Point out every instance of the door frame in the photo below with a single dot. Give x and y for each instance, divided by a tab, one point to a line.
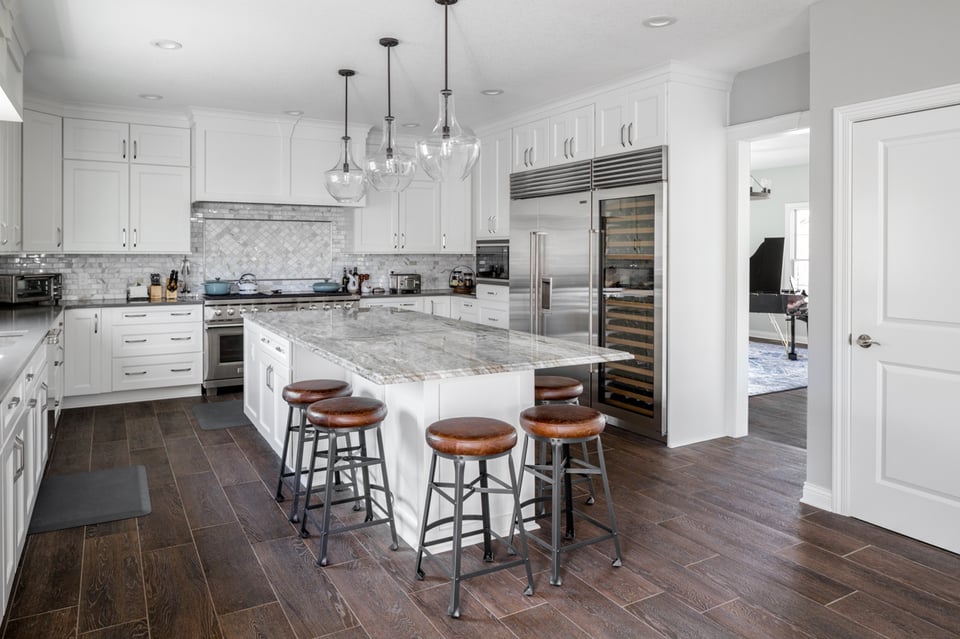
739	137
844	118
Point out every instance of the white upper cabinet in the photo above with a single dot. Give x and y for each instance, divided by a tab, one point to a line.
571	136
491	187
253	159
126	187
12	56
426	217
631	119
121	142
42	182
530	145
11	231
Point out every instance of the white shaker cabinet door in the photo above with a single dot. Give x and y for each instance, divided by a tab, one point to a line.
42	182
420	218
83	332
456	220
375	225
96	206
96	140
164	145
159	209
491	187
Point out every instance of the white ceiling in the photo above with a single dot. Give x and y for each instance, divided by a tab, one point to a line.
271	56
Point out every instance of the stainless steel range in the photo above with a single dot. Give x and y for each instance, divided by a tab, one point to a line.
223	327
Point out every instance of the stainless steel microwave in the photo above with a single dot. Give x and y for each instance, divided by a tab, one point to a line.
493	262
30	288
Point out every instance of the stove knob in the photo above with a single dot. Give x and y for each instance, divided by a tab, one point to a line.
348	304
313	307
269	310
217	312
326	307
229	311
255	309
242	310
338	305
301	308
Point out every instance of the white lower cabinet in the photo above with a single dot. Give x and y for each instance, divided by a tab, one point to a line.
251	371
273	373
132	348
463	309
438	306
493	305
13	501
407	304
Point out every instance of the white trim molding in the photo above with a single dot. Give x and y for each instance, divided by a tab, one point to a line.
844	118
817	496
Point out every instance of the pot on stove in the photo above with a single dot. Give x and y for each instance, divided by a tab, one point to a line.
216	287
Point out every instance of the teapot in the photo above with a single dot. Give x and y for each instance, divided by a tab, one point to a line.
247	283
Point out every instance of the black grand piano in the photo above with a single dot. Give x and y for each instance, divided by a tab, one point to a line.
766	296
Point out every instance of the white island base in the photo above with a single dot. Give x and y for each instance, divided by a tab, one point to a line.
412	406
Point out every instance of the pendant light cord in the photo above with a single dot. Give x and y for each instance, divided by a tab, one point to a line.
389	110
446	68
346	117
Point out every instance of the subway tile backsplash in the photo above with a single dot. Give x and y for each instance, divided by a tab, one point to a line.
284	246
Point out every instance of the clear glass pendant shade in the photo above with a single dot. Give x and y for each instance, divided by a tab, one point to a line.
451	150
346	181
390	168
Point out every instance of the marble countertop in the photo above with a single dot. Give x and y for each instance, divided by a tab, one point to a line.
122	301
388	346
15	352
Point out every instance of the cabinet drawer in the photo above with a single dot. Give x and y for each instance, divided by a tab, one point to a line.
135	315
498	316
274	346
492	292
155	371
157	339
464	310
11	408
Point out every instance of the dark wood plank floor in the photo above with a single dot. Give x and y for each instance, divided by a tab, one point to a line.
715	544
780	417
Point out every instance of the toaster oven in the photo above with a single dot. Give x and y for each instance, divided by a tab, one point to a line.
30	288
404	283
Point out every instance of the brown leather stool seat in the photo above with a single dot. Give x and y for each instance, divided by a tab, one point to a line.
299	395
555	388
343	416
462	440
559	426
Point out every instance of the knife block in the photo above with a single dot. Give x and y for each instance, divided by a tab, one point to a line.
156	293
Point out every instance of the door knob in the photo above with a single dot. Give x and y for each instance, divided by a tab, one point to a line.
865	341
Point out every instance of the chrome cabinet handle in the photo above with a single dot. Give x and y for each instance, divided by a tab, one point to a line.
136	373
180	370
622	129
573	148
403	240
59	237
865	341
124	238
135	238
180	339
134	341
123	153
187	314
269	378
134	314
14	402
630	133
134	149
443	241
18	445
96	323
395	245
591	274
33	403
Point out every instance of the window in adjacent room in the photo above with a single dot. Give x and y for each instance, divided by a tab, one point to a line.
798	245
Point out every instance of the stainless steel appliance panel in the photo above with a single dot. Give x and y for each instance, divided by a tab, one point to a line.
549	271
223	356
493	261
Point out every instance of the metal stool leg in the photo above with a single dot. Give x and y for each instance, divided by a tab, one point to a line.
485	511
298	471
523	535
431	478
327	498
593	495
618	561
387	495
283	456
306	498
454	609
567	490
557	476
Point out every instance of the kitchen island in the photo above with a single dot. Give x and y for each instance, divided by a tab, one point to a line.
423	368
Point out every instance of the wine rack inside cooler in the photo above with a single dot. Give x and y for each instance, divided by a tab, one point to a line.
628	305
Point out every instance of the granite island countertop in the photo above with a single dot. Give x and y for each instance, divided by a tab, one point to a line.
388	346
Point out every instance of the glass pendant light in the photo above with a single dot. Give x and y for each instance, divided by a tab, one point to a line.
451	150
390	168
345	181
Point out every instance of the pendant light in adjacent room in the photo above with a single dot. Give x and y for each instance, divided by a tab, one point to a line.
451	150
346	181
389	168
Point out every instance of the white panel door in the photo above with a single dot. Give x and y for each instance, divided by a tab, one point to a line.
905	441
165	145
96	206
42	182
420	217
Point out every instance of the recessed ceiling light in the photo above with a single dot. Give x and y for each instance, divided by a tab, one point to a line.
410	125
492	91
294	112
151	96
656	22
167	44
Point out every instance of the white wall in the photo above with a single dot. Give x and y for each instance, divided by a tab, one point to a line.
859	50
772	89
790	185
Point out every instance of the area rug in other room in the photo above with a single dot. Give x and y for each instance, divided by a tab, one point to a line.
771	371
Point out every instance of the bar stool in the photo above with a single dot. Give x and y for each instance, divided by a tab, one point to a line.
299	395
462	440
561	425
556	389
344	416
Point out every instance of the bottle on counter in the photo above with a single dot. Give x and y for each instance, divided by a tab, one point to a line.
345	280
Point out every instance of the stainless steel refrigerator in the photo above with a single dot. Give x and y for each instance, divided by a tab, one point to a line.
588	267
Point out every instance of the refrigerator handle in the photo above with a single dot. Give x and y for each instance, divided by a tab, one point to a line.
592	235
534	282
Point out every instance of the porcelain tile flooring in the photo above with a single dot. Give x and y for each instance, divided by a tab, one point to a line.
715	542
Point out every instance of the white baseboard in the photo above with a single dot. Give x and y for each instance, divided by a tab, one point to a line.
126	397
817	496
